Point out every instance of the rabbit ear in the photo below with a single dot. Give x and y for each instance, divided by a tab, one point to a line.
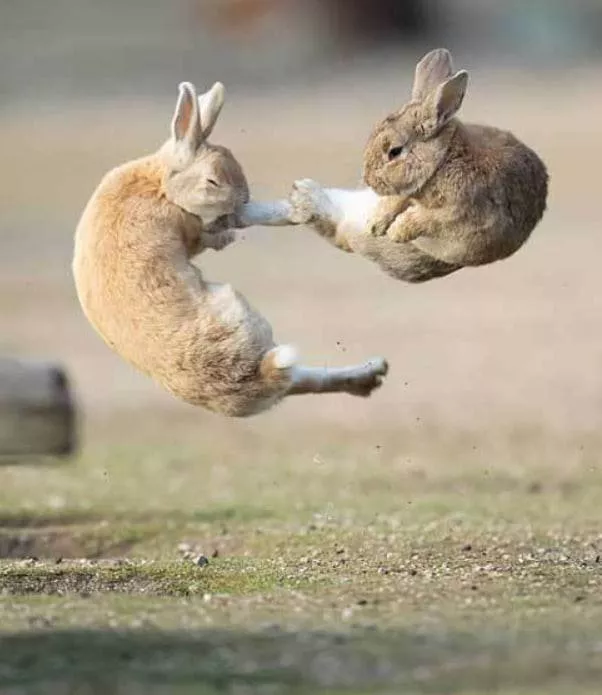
434	68
185	126
210	106
446	100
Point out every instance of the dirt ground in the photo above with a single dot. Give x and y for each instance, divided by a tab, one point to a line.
440	537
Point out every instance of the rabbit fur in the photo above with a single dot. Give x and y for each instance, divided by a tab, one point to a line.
137	286
441	195
466	194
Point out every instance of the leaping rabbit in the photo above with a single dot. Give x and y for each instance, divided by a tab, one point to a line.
440	195
134	243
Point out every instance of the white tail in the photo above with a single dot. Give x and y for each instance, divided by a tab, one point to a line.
285	357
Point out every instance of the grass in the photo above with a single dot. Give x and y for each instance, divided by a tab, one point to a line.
404	562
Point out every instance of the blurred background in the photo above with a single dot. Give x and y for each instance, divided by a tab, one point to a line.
85	85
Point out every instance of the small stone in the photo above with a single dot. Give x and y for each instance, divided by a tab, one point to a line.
467	548
362	602
201	561
215	553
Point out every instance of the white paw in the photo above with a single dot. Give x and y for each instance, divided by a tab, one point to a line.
307	200
370	377
378	365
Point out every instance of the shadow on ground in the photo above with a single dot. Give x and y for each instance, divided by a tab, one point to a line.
431	660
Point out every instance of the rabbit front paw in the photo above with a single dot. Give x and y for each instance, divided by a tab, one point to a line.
308	201
381	226
407	226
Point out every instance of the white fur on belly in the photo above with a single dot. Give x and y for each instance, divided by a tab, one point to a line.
354	207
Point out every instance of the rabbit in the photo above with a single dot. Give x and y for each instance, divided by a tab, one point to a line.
138	288
464	194
452	196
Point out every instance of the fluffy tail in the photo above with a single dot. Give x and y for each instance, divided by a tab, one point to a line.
277	364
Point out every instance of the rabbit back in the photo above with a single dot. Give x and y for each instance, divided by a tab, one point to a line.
486	198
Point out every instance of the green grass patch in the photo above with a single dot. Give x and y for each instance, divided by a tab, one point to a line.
446	564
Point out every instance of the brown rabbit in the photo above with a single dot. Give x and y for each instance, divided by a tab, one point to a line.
442	195
138	288
464	194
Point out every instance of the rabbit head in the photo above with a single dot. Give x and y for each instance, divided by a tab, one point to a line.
405	149
203	179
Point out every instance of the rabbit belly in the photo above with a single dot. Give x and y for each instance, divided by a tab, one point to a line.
462	251
231	309
402	261
356	208
474	246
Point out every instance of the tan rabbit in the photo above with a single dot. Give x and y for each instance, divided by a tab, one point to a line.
464	194
137	286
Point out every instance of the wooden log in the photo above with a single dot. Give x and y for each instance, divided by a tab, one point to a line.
37	413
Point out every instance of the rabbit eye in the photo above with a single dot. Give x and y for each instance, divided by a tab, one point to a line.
394	152
212	182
